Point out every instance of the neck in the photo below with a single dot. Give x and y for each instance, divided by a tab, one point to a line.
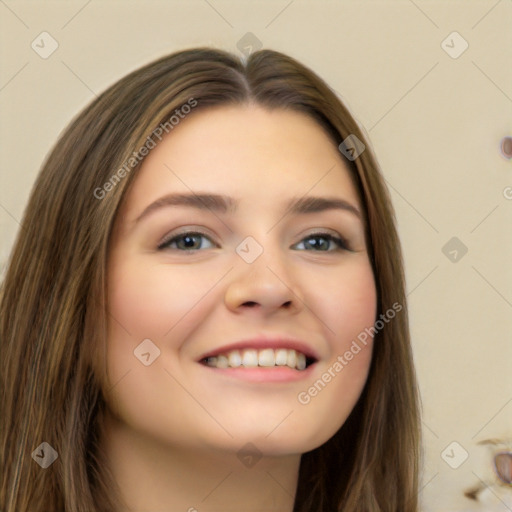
152	475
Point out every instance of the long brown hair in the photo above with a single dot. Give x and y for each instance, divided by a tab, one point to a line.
53	313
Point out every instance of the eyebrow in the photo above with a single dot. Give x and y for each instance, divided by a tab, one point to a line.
228	205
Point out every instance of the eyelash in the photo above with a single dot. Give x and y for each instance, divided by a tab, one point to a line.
341	242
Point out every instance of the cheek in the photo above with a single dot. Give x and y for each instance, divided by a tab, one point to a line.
346	304
149	301
348	310
163	305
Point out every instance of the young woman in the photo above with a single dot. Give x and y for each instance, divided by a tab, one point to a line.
205	307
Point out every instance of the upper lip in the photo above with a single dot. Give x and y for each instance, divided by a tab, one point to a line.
260	343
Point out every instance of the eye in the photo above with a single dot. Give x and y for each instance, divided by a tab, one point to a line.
322	242
190	241
187	241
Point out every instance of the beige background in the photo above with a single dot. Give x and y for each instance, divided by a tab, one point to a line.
435	123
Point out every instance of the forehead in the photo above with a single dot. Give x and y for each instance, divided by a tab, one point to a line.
245	151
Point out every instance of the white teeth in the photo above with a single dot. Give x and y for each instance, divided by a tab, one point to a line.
252	358
291	359
235	359
222	362
266	357
281	357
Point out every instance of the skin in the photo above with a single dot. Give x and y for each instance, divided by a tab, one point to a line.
174	428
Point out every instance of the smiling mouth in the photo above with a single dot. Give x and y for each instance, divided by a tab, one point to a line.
264	358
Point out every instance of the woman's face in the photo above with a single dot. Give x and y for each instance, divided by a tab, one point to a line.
244	278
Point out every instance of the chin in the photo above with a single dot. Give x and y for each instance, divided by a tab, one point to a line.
281	441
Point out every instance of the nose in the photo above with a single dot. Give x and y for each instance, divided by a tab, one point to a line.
265	285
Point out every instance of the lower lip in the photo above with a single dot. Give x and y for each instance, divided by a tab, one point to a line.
261	374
